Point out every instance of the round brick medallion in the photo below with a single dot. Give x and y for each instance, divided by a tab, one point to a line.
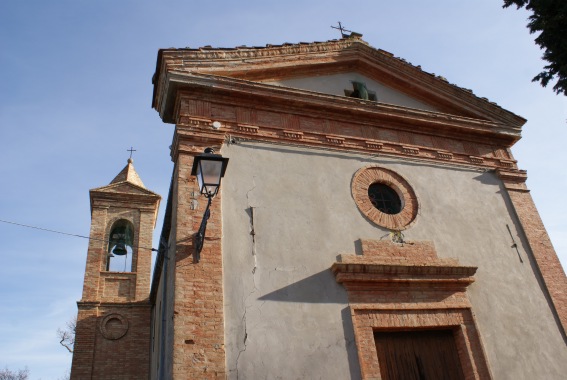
113	326
365	177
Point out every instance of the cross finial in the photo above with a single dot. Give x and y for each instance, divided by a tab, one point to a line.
131	150
343	30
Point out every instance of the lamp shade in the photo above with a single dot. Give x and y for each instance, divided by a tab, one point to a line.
209	169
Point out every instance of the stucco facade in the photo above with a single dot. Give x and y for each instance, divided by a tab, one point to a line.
300	271
283	304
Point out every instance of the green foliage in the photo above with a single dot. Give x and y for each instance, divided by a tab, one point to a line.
550	18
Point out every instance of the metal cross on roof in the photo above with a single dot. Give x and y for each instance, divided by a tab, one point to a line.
343	30
131	150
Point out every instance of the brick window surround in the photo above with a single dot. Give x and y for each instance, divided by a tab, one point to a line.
114	326
369	175
405	287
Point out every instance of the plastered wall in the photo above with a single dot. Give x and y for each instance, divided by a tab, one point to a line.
336	84
288	212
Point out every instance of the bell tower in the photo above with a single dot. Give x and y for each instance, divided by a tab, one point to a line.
113	324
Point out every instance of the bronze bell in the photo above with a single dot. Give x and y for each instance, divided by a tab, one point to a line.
120	248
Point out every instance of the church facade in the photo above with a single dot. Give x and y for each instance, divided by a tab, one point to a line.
372	224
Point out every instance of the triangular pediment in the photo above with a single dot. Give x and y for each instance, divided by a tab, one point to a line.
327	68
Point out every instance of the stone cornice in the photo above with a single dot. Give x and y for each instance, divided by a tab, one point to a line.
514	180
400	273
210	54
411	263
194	133
104	199
187	142
391	265
269	97
128	304
151	199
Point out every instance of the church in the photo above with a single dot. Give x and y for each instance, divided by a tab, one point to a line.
371	223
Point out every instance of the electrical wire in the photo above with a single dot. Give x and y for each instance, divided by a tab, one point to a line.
65	233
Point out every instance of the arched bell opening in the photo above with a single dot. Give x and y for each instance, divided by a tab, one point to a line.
120	247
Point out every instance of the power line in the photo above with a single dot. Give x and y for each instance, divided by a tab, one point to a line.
65	233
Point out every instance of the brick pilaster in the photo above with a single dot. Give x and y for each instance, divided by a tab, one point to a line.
198	341
545	257
144	256
95	252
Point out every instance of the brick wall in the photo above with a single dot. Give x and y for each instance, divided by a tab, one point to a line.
198	341
99	354
543	252
112	336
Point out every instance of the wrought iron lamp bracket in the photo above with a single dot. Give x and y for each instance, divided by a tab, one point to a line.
200	235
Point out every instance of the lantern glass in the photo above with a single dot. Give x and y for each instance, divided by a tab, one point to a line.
209	175
209	169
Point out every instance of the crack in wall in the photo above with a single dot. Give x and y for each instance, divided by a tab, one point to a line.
245	339
252	230
244	323
253	234
253	271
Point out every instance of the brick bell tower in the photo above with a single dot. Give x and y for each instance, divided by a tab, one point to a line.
113	324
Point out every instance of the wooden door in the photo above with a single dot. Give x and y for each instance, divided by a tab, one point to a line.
418	355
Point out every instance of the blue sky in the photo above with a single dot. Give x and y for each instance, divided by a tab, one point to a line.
75	93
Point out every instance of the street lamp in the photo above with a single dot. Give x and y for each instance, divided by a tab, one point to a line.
209	169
